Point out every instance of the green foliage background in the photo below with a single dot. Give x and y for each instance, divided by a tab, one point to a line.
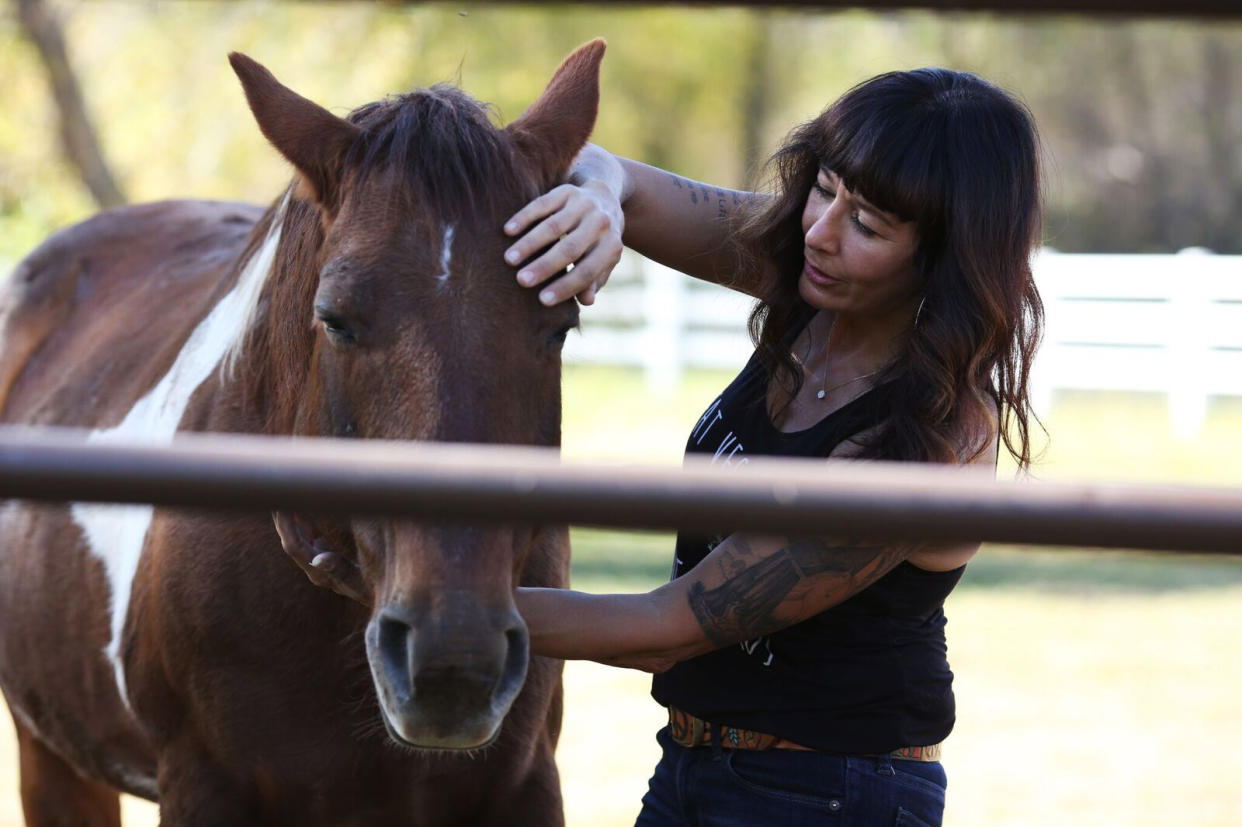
1140	119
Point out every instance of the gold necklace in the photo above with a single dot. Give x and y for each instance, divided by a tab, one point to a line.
824	391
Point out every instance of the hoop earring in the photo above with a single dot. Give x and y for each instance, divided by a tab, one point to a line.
919	312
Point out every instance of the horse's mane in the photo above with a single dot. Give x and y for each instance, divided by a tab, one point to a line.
453	163
444	144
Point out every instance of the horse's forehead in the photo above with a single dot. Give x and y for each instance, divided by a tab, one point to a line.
430	269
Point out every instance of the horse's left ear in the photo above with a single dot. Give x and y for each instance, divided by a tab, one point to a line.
312	138
554	129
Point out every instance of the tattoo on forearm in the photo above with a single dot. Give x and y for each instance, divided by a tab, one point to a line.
701	192
744	605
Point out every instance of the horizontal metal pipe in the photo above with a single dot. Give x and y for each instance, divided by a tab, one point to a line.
1101	8
489	484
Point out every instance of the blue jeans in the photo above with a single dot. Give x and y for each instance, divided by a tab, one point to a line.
711	787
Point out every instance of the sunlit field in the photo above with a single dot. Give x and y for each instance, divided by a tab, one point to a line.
1093	687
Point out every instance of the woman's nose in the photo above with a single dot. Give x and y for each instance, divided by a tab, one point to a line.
825	233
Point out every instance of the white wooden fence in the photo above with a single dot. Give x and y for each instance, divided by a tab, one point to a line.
1169	324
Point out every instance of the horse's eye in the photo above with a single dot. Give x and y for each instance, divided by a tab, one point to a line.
337	329
557	340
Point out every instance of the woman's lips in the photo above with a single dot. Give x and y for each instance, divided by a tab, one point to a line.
818	277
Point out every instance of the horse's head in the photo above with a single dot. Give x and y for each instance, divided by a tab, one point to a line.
391	278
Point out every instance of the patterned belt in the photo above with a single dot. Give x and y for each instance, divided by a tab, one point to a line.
689	731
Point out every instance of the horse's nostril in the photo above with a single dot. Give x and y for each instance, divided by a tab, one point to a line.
396	639
517	655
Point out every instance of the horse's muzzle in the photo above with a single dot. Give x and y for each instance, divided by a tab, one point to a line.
446	679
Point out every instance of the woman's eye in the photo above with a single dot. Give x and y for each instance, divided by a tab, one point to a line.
824	190
862	228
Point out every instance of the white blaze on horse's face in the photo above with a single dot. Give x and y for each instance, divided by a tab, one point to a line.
446	254
117	534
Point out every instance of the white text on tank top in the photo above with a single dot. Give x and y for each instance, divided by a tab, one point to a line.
729	453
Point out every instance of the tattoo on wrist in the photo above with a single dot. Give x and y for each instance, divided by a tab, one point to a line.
744	605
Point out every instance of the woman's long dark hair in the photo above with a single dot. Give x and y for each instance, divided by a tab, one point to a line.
959	157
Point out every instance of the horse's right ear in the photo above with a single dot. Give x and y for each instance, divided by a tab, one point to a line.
554	129
313	139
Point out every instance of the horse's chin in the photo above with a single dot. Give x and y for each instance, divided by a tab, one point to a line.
430	742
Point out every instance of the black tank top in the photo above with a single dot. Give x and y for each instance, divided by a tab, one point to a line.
869	675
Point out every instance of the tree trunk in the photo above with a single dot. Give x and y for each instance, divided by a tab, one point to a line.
756	92
77	135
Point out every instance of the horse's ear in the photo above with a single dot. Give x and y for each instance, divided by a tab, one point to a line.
556	127
313	139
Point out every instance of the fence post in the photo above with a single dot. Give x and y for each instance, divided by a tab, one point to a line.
663	357
1188	342
1043	371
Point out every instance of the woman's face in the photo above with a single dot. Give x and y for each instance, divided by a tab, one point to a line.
859	259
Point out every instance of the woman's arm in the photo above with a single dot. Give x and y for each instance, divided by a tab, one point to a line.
683	224
749	586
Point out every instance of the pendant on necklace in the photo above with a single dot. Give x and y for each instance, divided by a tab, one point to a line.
821	394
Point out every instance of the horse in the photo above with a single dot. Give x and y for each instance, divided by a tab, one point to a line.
293	669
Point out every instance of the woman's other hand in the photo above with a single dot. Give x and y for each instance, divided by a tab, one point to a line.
569	239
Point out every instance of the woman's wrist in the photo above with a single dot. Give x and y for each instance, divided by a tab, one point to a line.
597	168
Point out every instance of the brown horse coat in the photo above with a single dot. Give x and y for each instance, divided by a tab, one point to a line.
180	656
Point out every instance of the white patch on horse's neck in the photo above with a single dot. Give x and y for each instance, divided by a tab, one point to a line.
117	534
250	283
446	253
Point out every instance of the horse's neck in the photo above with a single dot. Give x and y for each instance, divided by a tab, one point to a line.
262	375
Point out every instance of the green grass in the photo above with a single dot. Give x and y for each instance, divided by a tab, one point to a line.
609	415
621	561
1094	687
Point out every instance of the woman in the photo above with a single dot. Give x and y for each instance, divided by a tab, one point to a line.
806	676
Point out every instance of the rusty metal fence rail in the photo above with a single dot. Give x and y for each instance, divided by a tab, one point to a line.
474	483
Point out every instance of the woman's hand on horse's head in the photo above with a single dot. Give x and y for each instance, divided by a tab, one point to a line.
578	229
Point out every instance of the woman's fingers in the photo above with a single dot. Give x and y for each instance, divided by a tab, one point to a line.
540	224
580	259
575	239
569	245
589	273
543	206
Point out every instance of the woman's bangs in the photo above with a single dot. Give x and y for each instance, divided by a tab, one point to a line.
889	167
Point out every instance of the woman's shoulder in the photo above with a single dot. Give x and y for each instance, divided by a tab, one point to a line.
974	435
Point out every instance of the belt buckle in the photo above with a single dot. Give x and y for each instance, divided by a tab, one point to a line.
686	729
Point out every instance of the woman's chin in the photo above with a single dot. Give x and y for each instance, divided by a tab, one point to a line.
817	295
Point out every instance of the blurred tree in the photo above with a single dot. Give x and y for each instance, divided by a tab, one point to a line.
1141	120
78	140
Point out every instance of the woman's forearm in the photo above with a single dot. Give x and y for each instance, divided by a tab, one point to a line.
683	224
623	629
